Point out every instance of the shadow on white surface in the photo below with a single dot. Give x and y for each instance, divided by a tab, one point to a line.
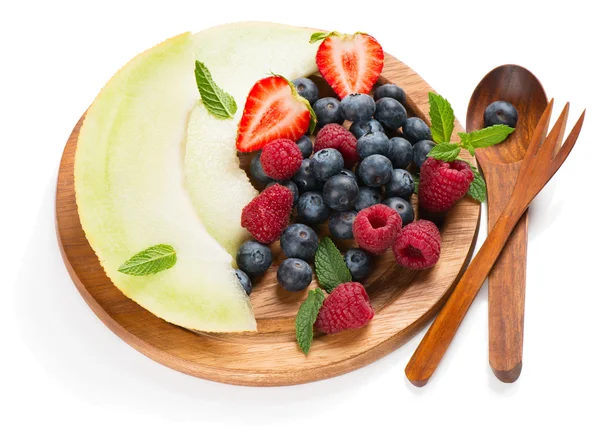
80	354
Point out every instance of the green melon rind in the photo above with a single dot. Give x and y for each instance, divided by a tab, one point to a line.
130	193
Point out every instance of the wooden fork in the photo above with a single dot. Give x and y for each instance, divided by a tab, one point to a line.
538	167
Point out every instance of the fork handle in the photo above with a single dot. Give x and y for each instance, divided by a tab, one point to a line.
437	339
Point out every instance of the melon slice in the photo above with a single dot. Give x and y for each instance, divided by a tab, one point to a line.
237	56
130	193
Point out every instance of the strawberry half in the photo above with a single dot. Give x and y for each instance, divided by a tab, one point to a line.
273	110
349	63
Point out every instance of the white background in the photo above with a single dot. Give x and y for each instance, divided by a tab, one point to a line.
64	375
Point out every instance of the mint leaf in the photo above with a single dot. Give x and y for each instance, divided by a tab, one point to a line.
318	36
485	137
478	189
218	102
306	318
330	266
150	261
417	181
445	151
442	118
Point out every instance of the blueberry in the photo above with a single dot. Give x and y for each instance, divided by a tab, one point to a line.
357	107
328	111
244	281
420	151
312	208
400	153
348	173
307	89
254	258
391	91
340	224
390	113
306	146
367	196
257	172
305	180
415	130
361	128
359	262
291	185
400	185
294	274
376	143
300	241
326	163
404	209
500	112
375	171
340	192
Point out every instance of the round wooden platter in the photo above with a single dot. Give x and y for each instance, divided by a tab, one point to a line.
403	300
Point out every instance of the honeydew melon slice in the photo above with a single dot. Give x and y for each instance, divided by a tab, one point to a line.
237	56
130	193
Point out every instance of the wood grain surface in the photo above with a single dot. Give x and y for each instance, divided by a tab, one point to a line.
403	300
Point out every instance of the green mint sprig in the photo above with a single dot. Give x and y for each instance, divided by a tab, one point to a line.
306	318
218	102
150	261
330	266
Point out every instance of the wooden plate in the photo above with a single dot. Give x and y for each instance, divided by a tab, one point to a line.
403	300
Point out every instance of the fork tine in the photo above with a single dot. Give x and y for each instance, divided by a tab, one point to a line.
566	148
555	137
539	134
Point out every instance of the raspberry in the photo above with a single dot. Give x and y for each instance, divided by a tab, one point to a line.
266	216
334	136
376	227
281	159
443	184
347	307
418	245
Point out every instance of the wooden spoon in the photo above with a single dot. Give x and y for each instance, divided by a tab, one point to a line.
500	165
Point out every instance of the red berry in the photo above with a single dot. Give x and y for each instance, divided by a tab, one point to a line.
418	245
443	184
334	136
267	215
376	228
347	307
281	159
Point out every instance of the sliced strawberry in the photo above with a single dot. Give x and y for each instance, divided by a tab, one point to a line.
273	110
350	63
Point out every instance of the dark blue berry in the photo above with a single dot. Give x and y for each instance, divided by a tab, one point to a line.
404	209
500	112
244	281
420	151
415	130
357	107
390	113
340	192
305	180
254	258
361	128
292	186
340	224
328	111
390	91
299	241
375	171
294	274
312	208
348	173
326	163
400	185
359	262
257	172
367	196
307	89
400	153
306	146
376	143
